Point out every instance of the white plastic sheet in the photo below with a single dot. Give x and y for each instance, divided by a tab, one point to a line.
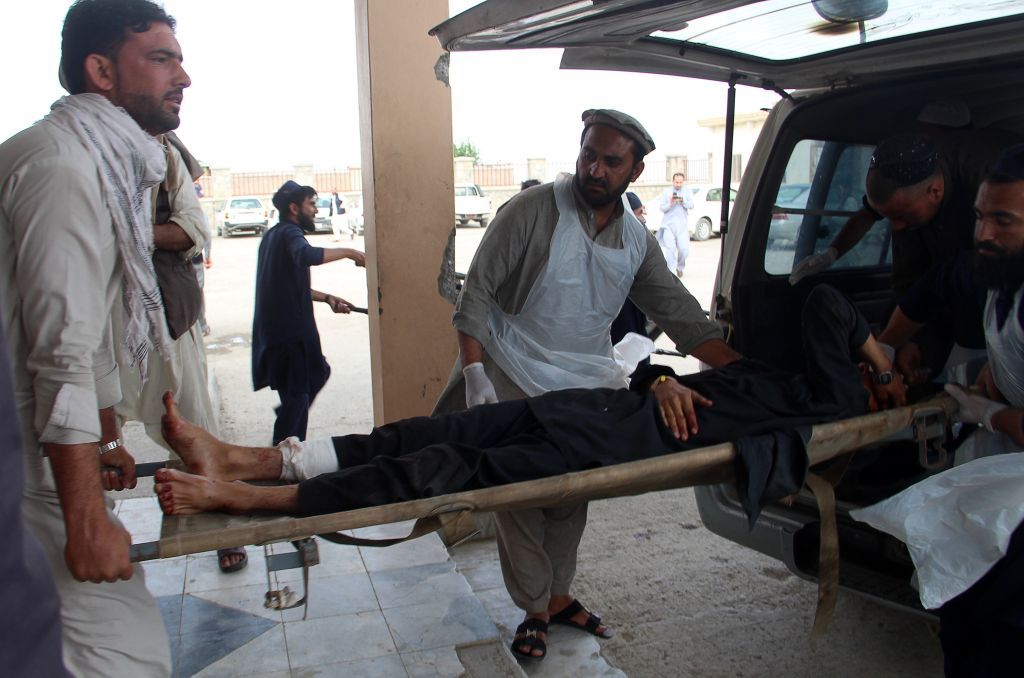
956	524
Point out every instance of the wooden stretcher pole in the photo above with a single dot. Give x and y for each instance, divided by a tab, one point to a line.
706	465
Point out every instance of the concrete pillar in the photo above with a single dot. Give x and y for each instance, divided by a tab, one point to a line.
405	121
537	168
464	170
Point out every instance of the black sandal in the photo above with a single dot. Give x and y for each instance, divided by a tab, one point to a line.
565	618
528	636
223	554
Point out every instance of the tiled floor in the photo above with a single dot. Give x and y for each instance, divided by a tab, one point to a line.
400	611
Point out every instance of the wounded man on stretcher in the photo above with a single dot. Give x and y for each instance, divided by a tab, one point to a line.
766	411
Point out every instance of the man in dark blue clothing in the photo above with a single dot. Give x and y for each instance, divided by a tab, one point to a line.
286	353
30	641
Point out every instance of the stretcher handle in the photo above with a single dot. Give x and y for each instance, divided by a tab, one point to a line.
141	470
358	309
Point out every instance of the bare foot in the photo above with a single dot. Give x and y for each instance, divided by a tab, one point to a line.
185	494
201	451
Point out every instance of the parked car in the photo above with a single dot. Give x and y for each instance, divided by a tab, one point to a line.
471	205
324	212
354	218
705	218
845	83
243	214
787	214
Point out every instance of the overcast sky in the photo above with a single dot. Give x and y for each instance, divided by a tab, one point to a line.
511	105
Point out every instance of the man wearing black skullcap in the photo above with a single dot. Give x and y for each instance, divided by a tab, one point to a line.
925	187
550	275
963	526
286	354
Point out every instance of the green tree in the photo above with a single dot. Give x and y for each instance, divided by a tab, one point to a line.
466	150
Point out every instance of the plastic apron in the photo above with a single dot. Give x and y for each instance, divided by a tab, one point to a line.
560	338
1006	358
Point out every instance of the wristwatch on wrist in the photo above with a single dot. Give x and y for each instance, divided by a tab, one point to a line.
883	378
111	446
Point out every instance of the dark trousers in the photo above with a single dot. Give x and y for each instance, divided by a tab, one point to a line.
292	414
430	456
832	329
982	629
505	442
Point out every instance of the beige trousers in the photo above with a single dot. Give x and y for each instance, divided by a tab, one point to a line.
536	547
184	373
109	629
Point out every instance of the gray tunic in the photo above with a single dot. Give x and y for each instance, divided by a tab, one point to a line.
512	255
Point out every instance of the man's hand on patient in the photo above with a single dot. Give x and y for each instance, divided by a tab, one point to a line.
908	363
814	264
479	389
987	384
975	408
678	406
893	394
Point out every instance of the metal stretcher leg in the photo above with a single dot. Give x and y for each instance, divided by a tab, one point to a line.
306	555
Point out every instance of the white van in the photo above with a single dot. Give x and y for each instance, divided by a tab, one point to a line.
848	73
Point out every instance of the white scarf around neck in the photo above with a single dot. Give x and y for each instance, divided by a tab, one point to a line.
130	162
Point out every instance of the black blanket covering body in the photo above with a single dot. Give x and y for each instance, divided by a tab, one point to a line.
765	411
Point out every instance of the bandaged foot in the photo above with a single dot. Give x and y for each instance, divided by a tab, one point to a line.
304	459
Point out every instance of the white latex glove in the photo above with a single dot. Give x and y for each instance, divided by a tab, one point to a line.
974	409
479	389
816	263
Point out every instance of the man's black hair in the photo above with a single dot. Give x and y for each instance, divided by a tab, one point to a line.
100	27
299	195
1009	167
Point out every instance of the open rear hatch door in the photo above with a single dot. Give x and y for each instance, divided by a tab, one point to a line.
775	44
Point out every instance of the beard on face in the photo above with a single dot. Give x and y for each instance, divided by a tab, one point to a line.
306	222
149	112
1000	270
610	195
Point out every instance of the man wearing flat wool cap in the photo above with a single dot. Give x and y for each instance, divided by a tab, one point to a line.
554	268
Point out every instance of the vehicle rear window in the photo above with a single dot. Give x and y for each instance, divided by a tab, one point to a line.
466	190
822	187
715	195
246	204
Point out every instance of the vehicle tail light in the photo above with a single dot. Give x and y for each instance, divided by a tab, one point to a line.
227	215
780	216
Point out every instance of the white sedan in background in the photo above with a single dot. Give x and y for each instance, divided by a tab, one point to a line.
706	215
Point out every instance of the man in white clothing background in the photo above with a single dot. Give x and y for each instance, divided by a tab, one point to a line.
674	235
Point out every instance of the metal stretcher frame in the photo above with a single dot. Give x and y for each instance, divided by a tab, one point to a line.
181	535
